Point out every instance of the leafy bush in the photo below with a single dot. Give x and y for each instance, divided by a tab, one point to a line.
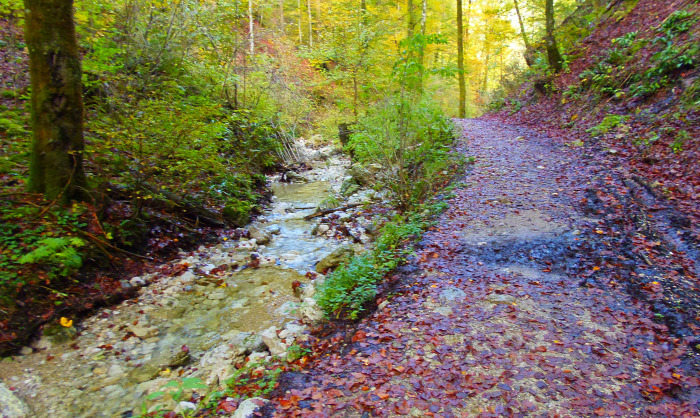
411	140
609	122
346	290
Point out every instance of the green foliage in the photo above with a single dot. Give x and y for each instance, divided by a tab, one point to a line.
251	382
59	253
609	122
678	22
411	140
347	289
43	238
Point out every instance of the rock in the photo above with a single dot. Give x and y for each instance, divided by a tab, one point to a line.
349	187
311	311
237	212
10	405
186	406
115	370
273	342
287	308
293	330
247	343
58	334
294	177
257	357
137	281
274	229
145	373
248	407
143	332
375	168
25	351
496	298
451	295
339	256
260	235
360	175
322	229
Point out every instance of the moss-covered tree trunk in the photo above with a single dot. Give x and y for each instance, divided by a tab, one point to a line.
56	167
553	55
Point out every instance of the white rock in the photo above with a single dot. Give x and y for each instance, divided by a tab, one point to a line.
137	281
322	229
311	311
186	406
273	342
248	407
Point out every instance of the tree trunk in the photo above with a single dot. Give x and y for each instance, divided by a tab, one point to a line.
311	27
251	34
301	13
56	166
281	6
409	18
528	60
553	56
460	63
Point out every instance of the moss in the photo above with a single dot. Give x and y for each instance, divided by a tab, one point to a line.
237	212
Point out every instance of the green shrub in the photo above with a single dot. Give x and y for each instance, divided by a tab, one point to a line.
347	289
60	253
411	140
609	122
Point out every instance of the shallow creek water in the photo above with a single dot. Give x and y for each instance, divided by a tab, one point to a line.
117	359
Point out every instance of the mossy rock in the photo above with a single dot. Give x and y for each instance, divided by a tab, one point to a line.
349	187
237	212
58	334
341	255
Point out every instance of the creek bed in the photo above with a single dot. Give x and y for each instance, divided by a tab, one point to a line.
181	325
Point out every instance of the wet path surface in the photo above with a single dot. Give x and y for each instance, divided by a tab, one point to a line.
502	315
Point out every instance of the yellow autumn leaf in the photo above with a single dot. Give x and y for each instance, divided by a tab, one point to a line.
66	322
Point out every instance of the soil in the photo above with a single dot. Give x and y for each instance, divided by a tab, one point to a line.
545	289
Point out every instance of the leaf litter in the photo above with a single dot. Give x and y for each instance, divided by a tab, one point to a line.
513	306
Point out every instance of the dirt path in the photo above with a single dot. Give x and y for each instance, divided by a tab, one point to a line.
503	314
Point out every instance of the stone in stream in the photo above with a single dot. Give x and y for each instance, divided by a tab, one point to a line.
334	259
260	235
10	405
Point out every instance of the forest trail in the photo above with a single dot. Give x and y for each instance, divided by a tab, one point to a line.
502	311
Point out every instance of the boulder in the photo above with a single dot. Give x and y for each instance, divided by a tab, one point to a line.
248	407
339	256
294	177
311	312
273	342
361	175
349	187
58	334
10	405
237	212
245	343
260	235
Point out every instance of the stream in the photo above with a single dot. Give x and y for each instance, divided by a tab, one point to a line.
215	312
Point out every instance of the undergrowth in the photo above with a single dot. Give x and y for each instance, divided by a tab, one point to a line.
347	290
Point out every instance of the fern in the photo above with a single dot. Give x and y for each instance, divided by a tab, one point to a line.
59	253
